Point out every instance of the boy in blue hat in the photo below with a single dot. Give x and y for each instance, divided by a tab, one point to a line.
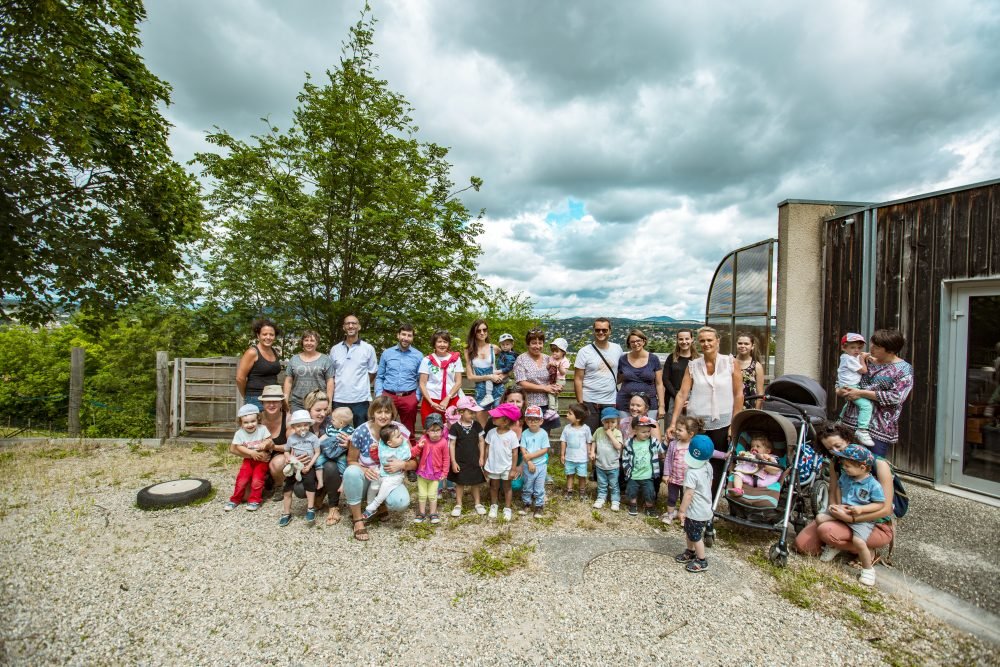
695	513
606	453
860	492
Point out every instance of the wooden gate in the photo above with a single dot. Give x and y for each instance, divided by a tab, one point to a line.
204	398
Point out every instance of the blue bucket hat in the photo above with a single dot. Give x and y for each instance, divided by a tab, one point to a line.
433	419
699	451
857	453
609	413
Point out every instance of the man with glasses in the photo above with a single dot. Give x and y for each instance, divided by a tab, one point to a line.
595	377
354	366
397	378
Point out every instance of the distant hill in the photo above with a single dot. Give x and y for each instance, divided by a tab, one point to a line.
659	318
578	330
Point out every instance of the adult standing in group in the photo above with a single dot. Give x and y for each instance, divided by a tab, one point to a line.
751	370
481	367
275	417
640	372
440	376
531	373
362	470
676	365
354	366
259	365
596	373
712	389
886	384
397	377
308	371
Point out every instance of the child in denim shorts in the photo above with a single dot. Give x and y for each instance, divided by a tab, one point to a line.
574	449
696	507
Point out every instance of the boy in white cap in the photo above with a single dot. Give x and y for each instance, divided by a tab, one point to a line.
558	367
853	364
695	513
301	441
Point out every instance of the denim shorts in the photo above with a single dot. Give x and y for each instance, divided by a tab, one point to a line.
578	469
694	530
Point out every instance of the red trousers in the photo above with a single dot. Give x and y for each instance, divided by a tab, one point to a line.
406	406
252	473
426	409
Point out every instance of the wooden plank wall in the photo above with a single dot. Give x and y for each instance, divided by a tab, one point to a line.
842	294
920	243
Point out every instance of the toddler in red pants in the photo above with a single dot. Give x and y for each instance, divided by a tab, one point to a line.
253	442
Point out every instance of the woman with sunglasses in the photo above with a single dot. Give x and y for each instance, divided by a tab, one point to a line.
640	372
481	367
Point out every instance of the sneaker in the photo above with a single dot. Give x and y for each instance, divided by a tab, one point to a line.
493	511
539	513
633	510
284	520
864	439
420	518
651	511
867	577
522	512
669	517
435	518
507	514
411	475
230	506
480	510
253	507
584	496
599	503
615	506
549	480
277	496
567	495
311	514
686	557
697	565
456	511
829	553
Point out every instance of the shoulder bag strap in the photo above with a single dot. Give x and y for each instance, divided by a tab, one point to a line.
613	374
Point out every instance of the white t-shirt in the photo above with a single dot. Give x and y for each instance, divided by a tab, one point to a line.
599	383
434	375
848	373
353	367
576	438
699	479
253	440
500	458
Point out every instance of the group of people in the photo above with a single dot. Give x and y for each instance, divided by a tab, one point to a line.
325	428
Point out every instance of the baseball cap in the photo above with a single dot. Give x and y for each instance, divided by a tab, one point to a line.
467	403
609	413
643	420
561	344
857	453
505	336
433	419
508	410
851	338
249	409
699	451
533	411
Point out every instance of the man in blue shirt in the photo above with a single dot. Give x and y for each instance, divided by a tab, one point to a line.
397	378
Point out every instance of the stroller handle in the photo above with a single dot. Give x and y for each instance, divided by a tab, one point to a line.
768	397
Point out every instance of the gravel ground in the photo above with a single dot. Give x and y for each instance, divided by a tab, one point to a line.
89	579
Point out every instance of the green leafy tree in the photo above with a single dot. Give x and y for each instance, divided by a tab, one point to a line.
345	212
93	209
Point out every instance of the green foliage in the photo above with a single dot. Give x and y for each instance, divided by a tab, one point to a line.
345	212
94	210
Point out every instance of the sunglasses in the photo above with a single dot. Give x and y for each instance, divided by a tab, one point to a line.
596	330
482	330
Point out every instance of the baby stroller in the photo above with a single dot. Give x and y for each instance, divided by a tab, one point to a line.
793	405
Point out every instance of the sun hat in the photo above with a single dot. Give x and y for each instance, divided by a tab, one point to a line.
699	451
643	420
561	344
300	417
505	337
609	413
247	410
508	410
533	412
433	419
851	338
857	453
467	403
272	392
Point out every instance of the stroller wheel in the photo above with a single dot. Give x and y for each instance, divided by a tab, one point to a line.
778	555
818	497
709	536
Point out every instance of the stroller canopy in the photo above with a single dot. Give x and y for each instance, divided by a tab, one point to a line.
777	427
799	389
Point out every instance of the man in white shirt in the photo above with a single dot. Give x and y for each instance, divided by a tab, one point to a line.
595	377
354	367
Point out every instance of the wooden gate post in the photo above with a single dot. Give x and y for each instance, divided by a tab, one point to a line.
75	391
162	395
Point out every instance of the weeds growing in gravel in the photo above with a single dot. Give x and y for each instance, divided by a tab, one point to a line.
503	537
485	564
596	516
422	531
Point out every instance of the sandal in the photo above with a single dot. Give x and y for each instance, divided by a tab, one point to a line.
360	534
333	517
697	565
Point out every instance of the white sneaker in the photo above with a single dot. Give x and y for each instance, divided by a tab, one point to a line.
522	512
829	553
615	506
867	577
599	503
507	514
456	511
493	511
480	510
864	439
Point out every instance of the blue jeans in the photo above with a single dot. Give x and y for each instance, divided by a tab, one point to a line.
607	480
356	488
881	448
534	485
633	488
359	410
253	397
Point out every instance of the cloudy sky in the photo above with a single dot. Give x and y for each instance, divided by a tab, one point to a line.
626	147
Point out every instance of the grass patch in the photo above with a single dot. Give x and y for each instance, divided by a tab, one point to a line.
596	516
455	522
503	537
57	453
869	599
853	618
654	522
795	584
422	531
586	525
146	475
138	449
484	564
198	448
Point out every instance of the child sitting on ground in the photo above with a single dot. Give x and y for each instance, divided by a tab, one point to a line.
606	453
435	459
860	493
574	449
675	462
641	465
696	506
253	442
500	465
392	446
853	364
558	367
301	441
750	470
535	452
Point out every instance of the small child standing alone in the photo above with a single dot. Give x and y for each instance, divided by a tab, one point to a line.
675	462
574	449
392	446
252	441
535	452
501	469
606	453
435	459
853	364
696	506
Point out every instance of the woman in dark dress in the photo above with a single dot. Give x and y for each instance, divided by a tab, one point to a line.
259	366
675	366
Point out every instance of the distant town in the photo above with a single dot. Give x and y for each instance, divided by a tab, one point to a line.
660	330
